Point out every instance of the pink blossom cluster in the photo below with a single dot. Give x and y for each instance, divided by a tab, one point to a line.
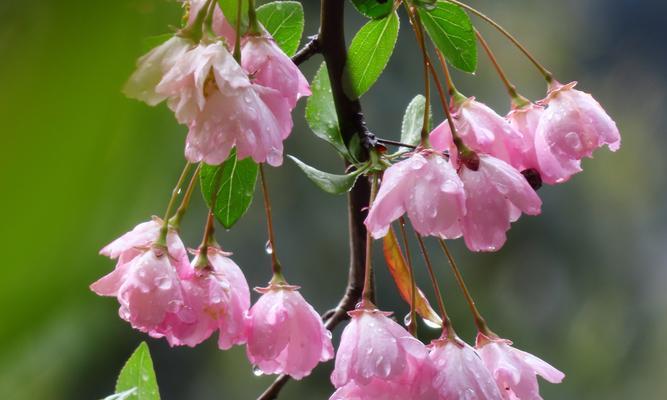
474	182
379	359
224	104
161	292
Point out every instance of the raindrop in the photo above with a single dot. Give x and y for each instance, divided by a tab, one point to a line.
268	248
257	371
407	320
430	323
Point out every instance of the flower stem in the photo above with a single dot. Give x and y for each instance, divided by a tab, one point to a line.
175	221
414	21
480	322
545	73
275	264
237	41
162	239
451	88
252	19
517	99
412	327
447	329
367	292
208	238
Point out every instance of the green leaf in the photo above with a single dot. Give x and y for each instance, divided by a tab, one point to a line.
236	181
452	32
230	9
137	378
369	53
330	183
413	121
284	20
321	112
374	8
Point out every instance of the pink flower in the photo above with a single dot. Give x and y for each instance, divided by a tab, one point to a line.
374	347
377	389
270	67
152	67
460	373
132	244
209	91
147	288
572	127
216	297
515	371
285	334
525	120
496	195
482	130
425	186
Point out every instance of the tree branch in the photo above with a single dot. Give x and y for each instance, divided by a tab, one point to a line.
330	42
310	49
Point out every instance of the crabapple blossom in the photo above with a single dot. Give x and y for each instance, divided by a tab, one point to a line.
285	334
209	91
515	371
427	188
220	25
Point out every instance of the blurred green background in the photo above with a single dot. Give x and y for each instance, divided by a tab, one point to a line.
582	286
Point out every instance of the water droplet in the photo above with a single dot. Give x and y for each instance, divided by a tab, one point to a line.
163	282
430	324
407	320
257	371
268	248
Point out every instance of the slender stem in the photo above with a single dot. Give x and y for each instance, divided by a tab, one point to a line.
237	40
275	264
509	86
447	329
252	19
366	293
547	75
175	221
209	230
448	76
395	143
412	327
414	20
480	322
162	239
310	49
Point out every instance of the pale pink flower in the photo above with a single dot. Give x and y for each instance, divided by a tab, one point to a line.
525	120
285	334
132	244
496	195
270	67
377	389
152	67
427	188
375	347
147	288
209	91
572	127
460	372
216	297
221	26
515	371
482	130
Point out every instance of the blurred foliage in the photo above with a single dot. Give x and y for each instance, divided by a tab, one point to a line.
582	285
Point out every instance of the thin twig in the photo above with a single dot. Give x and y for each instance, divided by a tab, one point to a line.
310	49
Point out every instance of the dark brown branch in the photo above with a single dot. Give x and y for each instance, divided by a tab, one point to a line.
331	44
310	49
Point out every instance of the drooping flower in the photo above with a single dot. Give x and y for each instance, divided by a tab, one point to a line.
515	371
496	195
285	333
375	390
374	347
482	130
460	372
427	188
209	91
220	25
572	127
271	67
216	297
525	120
152	67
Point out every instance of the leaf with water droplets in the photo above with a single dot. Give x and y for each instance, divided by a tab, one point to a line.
321	112
284	20
413	121
452	32
401	273
235	181
369	53
330	183
137	378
